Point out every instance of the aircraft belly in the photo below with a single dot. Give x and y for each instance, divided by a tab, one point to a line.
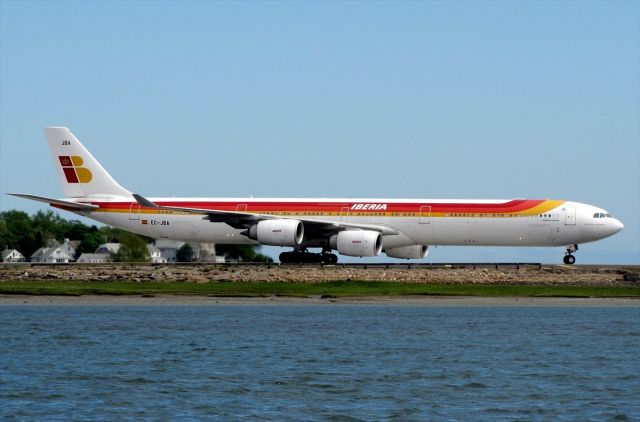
541	234
439	231
507	232
482	231
222	233
187	228
453	231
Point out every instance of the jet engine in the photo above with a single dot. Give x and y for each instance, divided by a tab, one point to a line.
408	252
278	232
357	243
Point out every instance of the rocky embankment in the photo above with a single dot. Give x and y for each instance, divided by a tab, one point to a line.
549	275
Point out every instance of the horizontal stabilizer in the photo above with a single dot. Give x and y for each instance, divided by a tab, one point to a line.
59	202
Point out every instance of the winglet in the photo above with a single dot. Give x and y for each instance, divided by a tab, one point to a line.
144	201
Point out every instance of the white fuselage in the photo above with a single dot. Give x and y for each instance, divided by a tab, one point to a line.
561	223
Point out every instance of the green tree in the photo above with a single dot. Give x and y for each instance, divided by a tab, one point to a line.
18	232
4	235
133	248
185	253
109	234
48	226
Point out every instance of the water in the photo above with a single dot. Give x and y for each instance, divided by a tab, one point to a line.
319	363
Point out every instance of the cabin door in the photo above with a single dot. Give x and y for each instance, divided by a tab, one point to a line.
570	216
425	214
134	211
344	214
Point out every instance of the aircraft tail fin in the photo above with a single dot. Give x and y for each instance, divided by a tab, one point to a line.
80	173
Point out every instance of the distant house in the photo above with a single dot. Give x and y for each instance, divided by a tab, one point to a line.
94	258
162	252
70	246
12	255
110	248
51	255
168	249
202	252
156	255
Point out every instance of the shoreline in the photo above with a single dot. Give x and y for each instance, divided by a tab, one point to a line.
198	300
244	273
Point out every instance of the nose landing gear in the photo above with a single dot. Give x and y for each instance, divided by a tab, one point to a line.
569	259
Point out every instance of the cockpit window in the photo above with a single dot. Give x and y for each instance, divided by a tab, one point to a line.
607	215
601	215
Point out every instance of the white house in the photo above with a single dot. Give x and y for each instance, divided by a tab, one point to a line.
51	255
168	248
94	258
162	252
70	246
156	256
12	255
109	248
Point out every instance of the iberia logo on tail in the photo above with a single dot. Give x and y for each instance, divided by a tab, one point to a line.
73	170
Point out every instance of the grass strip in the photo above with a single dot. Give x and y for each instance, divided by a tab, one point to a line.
328	289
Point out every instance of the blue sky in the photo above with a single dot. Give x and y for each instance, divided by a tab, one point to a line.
373	99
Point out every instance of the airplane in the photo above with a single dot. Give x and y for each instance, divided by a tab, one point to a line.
362	227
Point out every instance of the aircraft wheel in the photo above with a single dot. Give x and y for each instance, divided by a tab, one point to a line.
285	257
327	258
569	259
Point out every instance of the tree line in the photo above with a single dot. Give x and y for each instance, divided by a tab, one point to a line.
27	233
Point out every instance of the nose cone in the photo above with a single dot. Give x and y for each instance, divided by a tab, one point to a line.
612	227
617	225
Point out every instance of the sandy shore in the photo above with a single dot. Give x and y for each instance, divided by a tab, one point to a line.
183	300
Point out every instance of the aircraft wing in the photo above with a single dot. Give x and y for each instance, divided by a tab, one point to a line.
245	219
61	203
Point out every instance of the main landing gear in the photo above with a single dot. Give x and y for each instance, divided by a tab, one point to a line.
569	259
304	257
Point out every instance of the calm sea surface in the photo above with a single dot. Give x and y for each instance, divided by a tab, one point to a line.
319	363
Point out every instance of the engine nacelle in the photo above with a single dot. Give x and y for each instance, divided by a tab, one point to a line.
278	232
357	243
408	252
